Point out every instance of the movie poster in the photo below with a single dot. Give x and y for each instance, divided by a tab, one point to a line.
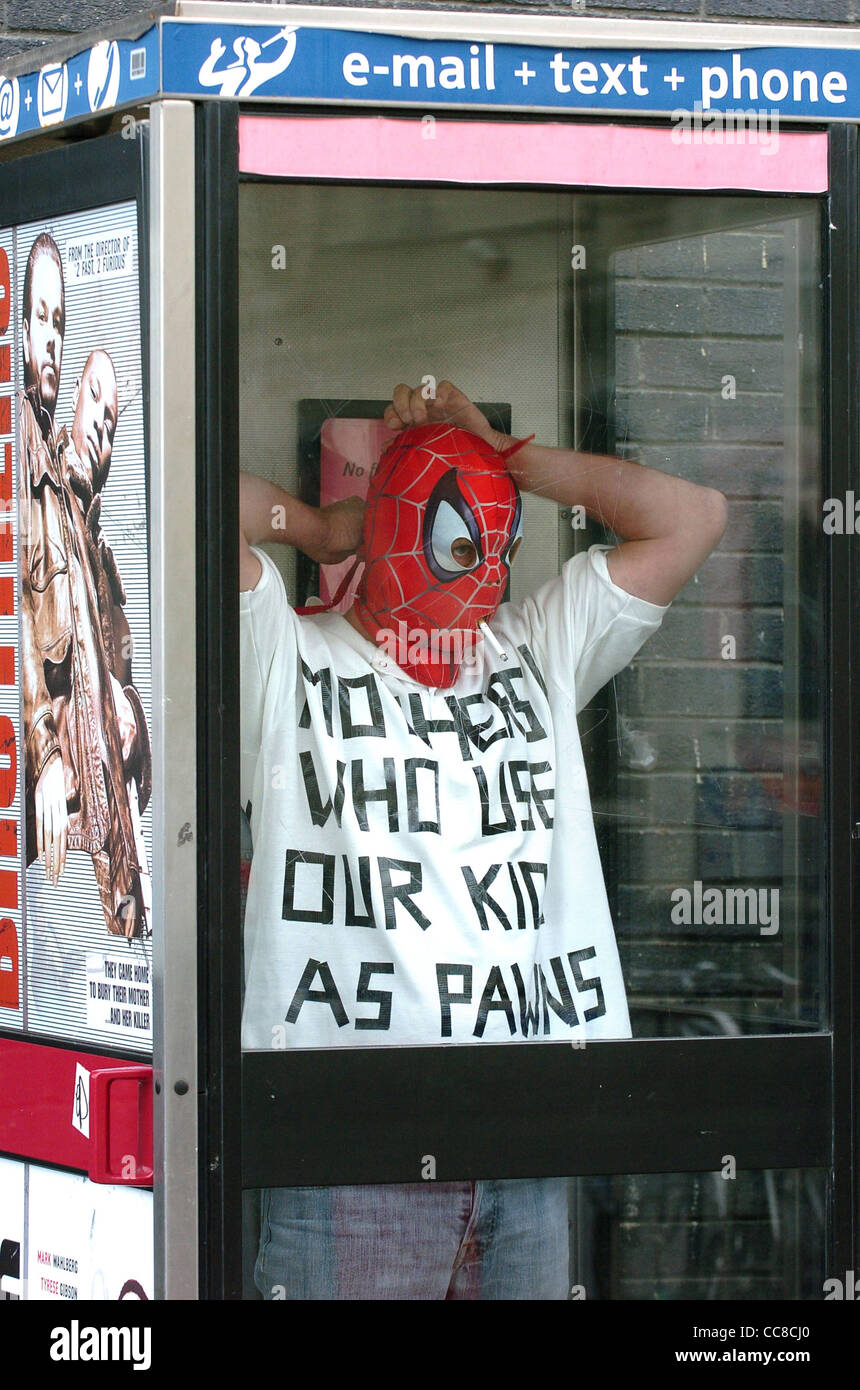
11	1007
85	1241
75	698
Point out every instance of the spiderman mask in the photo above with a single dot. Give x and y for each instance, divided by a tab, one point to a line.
442	524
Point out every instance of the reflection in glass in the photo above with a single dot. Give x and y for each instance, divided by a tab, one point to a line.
711	760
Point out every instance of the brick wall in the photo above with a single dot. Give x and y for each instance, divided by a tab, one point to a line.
26	24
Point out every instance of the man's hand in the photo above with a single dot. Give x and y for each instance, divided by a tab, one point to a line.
447	404
268	513
127	913
340	531
126	721
52	819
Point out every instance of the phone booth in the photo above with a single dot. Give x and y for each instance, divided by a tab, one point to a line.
226	234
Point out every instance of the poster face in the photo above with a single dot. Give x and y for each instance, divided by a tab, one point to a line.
75	676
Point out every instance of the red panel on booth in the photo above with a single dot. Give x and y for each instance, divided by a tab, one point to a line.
76	1109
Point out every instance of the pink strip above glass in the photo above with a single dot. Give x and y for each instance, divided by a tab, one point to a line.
426	149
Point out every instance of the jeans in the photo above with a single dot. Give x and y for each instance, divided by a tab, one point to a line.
431	1240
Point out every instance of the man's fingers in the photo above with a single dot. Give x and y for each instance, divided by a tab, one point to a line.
59	822
40	834
418	407
57	828
128	917
449	400
400	401
50	852
51	826
411	406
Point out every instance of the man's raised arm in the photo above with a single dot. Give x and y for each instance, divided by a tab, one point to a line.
669	525
268	513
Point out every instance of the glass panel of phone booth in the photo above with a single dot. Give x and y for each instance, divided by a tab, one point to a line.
713	363
724	1235
694	351
710	775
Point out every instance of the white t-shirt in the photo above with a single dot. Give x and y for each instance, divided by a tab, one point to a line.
425	865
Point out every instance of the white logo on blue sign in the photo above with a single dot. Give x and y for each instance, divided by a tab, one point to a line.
53	93
249	69
10	107
103	75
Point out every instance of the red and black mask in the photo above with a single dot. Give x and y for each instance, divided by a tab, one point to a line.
442	525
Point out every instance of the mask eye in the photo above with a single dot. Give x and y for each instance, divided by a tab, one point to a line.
453	548
450	535
509	554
